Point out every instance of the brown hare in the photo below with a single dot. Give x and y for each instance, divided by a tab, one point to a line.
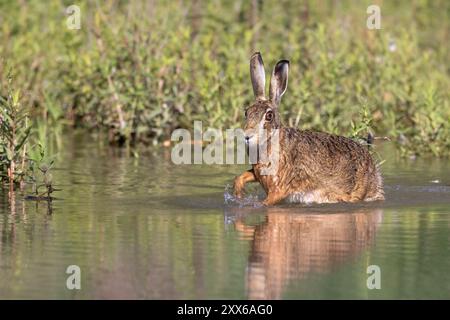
312	166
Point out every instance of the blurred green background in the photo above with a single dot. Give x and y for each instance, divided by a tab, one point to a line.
137	70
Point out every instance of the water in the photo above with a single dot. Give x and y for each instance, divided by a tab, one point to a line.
144	228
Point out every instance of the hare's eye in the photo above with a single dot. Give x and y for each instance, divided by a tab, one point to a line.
245	113
269	116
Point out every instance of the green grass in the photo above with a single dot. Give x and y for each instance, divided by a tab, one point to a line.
139	70
14	136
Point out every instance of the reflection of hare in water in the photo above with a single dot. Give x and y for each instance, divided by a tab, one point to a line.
290	245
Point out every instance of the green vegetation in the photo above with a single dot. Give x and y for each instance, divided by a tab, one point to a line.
40	175
139	70
22	154
14	133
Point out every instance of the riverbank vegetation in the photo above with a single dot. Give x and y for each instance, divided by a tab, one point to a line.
138	70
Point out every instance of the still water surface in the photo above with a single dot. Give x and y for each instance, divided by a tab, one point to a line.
145	228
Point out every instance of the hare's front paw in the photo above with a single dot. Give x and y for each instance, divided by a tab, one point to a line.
238	190
238	195
240	181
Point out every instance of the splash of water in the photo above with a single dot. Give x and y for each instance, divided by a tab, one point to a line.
249	200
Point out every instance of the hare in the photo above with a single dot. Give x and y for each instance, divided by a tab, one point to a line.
312	166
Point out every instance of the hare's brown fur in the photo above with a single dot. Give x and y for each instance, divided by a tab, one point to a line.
313	166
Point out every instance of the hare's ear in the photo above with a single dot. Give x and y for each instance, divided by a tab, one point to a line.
258	75
279	81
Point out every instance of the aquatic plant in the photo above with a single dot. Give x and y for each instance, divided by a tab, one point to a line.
40	175
22	149
14	133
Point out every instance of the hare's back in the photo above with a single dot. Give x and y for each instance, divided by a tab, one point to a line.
336	168
326	151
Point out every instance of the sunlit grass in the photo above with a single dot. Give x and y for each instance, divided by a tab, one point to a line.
138	71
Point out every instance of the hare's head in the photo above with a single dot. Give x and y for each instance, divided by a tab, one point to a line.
263	113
